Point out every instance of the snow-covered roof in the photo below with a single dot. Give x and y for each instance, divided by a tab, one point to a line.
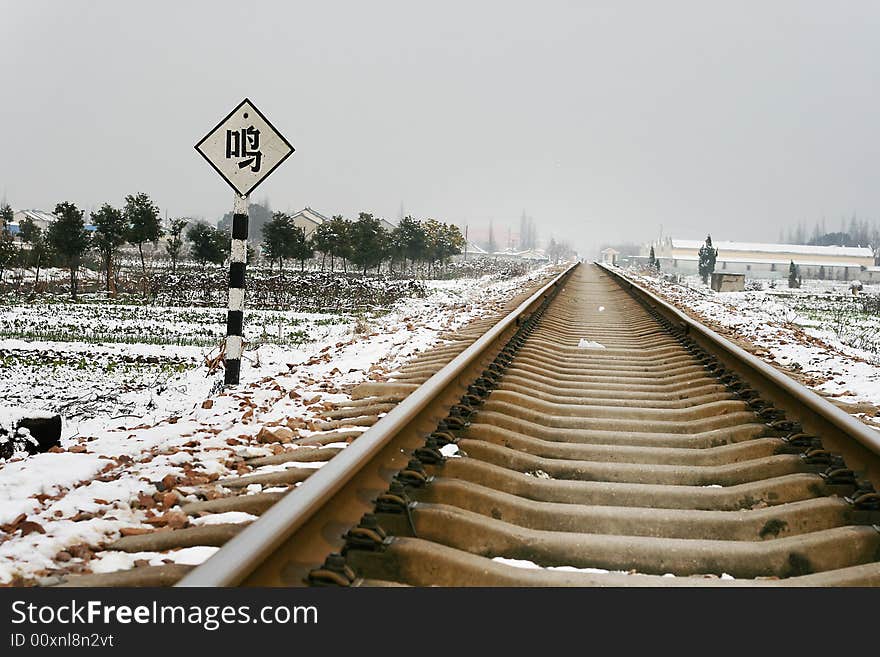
795	249
529	254
784	260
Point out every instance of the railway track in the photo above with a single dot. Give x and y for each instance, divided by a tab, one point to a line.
595	436
209	510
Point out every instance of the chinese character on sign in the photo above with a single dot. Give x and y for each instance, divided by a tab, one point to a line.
245	143
244	148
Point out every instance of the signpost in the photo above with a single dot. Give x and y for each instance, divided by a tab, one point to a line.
244	148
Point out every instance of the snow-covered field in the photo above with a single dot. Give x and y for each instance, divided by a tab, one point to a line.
819	334
146	423
104	360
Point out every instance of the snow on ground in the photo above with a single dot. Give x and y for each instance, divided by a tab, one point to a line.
818	334
102	360
145	434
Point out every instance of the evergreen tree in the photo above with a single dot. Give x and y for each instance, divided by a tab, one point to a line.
409	240
527	233
278	238
39	252
110	231
209	245
324	239
7	247
433	235
491	245
283	239
523	231
553	250
142	216
174	247
794	275
69	239
708	255
652	260
341	243
367	242
301	248
442	241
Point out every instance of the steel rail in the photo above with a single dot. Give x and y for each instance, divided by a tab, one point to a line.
768	379
245	552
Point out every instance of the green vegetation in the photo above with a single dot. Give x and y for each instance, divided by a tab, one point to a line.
149	325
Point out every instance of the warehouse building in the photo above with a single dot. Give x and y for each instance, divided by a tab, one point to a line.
758	260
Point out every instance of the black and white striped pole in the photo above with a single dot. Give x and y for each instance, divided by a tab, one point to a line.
244	148
235	311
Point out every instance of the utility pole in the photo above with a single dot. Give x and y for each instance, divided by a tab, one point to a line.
235	308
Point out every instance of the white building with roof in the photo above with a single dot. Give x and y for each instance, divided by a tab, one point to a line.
609	255
309	220
765	260
387	225
534	255
41	219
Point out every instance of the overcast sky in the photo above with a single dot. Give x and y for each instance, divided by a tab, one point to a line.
602	120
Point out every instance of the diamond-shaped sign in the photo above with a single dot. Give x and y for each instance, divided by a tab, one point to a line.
244	148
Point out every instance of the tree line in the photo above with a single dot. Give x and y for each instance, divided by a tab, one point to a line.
66	241
559	251
854	231
363	243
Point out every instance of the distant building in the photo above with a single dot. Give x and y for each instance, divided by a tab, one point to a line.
533	255
609	256
764	260
41	218
309	220
387	225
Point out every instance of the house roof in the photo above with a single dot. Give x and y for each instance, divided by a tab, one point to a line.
311	215
387	225
529	254
317	218
37	215
794	249
783	260
532	254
